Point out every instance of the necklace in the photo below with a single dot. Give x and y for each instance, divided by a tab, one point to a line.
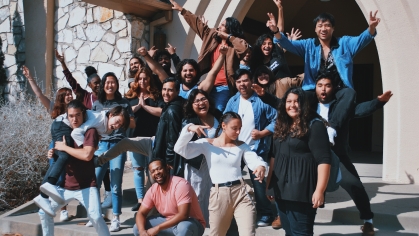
244	109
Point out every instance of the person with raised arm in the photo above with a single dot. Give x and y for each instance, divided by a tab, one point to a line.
229	33
327	52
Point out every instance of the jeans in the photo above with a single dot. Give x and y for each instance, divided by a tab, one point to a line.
117	170
263	205
89	198
51	163
189	227
220	95
297	218
139	164
58	130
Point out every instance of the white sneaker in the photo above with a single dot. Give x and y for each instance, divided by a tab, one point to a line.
115	224
89	224
44	204
52	192
107	201
64	216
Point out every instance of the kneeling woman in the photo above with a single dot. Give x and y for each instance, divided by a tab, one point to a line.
300	163
228	196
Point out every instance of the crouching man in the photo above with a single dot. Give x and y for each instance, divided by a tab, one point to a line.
176	202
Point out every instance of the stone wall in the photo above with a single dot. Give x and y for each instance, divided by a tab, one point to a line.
12	33
91	35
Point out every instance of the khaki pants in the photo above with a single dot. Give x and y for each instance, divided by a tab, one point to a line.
282	85
226	202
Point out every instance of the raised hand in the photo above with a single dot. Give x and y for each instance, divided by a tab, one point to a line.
373	22
142	51
271	23
385	97
258	90
278	3
152	51
26	72
198	129
59	57
176	6
171	49
223	49
294	34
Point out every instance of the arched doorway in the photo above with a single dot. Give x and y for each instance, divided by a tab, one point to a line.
367	133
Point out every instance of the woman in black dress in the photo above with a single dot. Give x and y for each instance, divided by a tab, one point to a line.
300	163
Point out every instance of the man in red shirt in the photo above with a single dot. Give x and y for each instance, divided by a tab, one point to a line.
176	202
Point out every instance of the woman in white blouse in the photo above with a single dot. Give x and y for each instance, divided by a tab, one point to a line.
229	196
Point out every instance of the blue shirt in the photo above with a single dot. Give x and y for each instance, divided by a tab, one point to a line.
265	118
343	50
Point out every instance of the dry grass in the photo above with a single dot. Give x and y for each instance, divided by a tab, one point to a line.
25	136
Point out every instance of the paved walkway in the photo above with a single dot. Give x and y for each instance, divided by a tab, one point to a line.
396	208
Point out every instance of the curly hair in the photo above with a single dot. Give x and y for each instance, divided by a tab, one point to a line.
135	88
257	55
59	103
188	107
285	125
191	62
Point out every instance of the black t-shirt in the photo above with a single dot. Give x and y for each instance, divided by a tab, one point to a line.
146	123
81	174
108	105
278	63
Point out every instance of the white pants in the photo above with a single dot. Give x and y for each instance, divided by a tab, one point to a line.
89	198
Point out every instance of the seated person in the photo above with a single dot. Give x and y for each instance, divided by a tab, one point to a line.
176	202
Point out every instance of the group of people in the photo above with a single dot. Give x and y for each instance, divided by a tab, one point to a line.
194	134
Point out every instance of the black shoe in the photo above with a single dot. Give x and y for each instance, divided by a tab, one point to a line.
136	207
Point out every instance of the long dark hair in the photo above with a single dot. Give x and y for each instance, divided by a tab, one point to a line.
59	103
191	62
102	94
234	28
188	107
135	88
257	54
120	111
227	117
284	123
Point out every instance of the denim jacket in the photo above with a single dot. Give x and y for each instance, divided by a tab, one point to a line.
265	118
343	50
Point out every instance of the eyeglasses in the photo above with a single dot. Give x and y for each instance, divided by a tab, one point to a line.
203	99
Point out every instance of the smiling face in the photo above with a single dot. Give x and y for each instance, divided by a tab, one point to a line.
95	84
263	78
244	85
68	97
158	172
115	122
324	90
232	128
75	117
324	30
164	61
292	106
266	47
143	81
188	74
200	105
169	91
111	85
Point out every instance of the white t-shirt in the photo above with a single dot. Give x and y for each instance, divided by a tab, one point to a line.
248	122
323	110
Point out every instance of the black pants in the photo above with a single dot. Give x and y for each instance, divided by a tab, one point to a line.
344	107
58	130
354	187
297	218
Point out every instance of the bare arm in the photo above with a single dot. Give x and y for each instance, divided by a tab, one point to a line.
280	23
155	111
84	154
373	22
140	220
183	214
208	83
323	173
44	100
271	24
154	66
131	122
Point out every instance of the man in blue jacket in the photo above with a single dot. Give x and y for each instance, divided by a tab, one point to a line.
258	123
327	52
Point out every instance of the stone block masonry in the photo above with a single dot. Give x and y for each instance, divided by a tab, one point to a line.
91	35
